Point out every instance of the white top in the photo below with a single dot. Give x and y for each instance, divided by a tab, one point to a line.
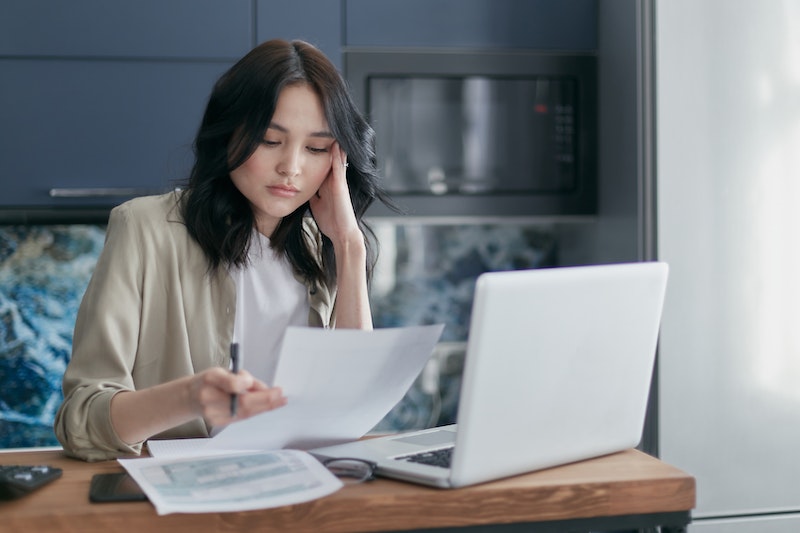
268	300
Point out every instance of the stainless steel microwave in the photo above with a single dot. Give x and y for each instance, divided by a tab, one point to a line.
492	134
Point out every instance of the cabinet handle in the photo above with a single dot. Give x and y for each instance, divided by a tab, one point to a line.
101	192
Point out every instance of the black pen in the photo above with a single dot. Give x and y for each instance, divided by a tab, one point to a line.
235	370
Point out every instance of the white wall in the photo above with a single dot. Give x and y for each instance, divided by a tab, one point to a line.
728	185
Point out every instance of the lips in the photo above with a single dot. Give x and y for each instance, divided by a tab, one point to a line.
284	191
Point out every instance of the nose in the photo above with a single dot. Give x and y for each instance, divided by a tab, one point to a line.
289	162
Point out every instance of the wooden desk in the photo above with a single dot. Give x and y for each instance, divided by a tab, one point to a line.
627	490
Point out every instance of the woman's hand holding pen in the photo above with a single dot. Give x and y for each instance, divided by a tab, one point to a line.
138	415
211	392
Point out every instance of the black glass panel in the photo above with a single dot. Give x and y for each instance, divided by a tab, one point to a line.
475	134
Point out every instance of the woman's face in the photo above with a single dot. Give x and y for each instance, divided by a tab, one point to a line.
292	161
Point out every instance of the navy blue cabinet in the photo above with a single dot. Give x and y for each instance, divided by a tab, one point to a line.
98	95
482	24
316	21
167	29
100	101
82	132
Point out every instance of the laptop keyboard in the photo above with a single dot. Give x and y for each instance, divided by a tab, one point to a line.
434	458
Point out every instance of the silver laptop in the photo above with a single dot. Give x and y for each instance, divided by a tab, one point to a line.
558	369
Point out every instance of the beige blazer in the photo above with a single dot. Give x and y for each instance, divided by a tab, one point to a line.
151	313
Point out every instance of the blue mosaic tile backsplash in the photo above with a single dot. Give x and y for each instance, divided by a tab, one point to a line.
44	271
425	275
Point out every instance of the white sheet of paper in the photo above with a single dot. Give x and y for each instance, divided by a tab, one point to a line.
234	482
339	384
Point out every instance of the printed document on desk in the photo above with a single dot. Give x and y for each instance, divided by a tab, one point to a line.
339	384
232	482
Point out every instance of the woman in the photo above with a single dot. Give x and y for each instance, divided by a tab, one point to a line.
233	257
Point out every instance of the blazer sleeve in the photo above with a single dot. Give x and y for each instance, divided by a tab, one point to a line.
104	346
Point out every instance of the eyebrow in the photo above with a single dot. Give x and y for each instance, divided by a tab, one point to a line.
325	133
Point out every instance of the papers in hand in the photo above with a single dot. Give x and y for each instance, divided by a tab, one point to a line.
232	482
339	384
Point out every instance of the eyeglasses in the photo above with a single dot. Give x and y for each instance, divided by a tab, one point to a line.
351	470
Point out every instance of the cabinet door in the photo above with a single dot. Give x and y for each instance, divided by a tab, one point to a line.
316	21
69	126
98	95
199	29
534	24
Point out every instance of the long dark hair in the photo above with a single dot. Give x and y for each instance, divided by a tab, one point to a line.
238	113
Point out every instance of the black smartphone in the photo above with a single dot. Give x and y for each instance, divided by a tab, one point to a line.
116	487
